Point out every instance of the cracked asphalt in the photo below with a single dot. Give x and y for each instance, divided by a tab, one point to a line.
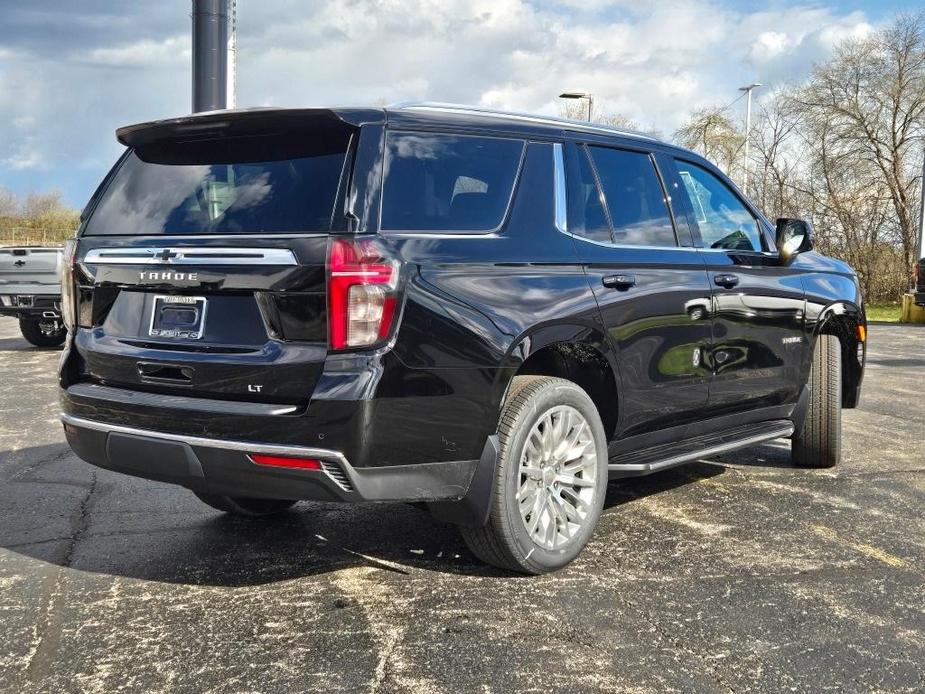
739	573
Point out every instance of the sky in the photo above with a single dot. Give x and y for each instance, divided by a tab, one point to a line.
72	72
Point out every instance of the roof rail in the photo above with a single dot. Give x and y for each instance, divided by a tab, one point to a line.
569	123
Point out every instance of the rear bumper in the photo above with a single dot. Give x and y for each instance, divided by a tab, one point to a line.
29	305
223	467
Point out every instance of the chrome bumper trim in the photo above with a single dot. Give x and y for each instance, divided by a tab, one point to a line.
243	446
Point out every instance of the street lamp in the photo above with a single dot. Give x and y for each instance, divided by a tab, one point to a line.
580	95
748	130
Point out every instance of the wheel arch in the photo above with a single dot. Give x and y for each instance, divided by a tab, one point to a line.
847	321
578	353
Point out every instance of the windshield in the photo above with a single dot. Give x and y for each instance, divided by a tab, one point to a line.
223	186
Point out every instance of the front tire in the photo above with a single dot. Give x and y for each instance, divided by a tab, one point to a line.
240	506
819	444
551	478
42	333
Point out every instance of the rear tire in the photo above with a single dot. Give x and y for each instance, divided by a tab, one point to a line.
551	478
240	506
819	444
34	334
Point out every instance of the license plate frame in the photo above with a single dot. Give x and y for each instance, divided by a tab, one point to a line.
178	331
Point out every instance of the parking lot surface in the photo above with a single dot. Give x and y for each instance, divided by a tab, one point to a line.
739	573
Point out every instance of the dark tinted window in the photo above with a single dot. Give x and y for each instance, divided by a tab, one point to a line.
224	187
586	211
448	182
723	220
634	197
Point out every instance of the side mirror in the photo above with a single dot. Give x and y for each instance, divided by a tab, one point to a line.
793	236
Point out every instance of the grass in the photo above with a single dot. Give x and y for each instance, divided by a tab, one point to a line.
888	313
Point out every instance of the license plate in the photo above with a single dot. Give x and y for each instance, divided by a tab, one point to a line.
180	317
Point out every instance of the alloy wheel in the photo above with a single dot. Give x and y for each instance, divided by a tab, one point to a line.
557	477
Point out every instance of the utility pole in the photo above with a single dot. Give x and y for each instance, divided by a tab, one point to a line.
210	55
748	130
232	79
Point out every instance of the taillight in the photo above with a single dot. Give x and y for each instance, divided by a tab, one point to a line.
68	309
362	286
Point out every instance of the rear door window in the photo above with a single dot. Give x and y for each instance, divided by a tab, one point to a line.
448	183
723	220
634	196
587	217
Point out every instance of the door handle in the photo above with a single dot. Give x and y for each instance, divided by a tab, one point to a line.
621	282
726	280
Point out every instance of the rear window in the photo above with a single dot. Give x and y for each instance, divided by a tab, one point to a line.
253	184
436	182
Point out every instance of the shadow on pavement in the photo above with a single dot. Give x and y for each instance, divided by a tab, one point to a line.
58	509
16	344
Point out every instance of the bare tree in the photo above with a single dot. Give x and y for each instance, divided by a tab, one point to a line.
777	160
578	110
40	205
871	98
712	133
9	204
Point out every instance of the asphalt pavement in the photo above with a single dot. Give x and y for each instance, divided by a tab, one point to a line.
739	573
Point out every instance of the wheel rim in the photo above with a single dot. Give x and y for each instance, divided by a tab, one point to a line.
48	328
557	478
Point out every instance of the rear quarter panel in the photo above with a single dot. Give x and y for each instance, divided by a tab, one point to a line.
477	305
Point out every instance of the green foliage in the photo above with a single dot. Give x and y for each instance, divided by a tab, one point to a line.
888	313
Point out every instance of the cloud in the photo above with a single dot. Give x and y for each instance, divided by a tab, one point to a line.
174	51
71	73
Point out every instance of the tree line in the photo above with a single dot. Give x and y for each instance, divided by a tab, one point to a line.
35	218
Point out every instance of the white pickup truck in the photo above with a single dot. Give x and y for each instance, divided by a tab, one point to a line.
30	290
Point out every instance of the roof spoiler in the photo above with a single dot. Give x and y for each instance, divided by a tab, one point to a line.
212	124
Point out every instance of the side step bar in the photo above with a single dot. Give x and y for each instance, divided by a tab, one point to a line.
649	460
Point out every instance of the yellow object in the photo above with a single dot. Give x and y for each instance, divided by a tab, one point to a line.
862	333
911	313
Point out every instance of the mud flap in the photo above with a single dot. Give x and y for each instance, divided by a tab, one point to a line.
473	509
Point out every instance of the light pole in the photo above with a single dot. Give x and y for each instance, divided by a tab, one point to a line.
748	130
580	95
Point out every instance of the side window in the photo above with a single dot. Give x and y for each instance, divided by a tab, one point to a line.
635	198
436	182
586	215
723	220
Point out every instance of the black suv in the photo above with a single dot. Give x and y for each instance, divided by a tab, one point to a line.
492	313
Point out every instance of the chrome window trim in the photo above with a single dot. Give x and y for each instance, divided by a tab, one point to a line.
630	246
559	172
187	255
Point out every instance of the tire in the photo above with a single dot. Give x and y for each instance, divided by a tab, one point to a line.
240	506
506	541
819	444
32	331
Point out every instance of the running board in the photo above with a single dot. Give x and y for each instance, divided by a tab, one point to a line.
648	460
